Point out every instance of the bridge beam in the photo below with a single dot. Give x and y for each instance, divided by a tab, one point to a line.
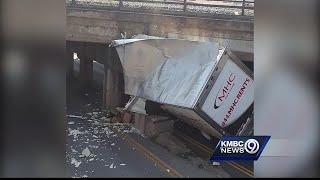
102	26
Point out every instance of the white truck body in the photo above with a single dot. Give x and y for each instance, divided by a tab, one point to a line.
200	83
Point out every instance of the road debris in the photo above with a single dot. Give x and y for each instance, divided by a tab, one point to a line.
111	166
74	116
215	163
86	152
75	162
74	133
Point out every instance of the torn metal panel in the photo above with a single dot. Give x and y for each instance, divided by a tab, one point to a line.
165	70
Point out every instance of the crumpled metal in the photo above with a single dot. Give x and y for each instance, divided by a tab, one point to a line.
167	71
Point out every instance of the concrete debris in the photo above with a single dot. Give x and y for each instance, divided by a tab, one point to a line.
214	163
95	147
74	151
95	136
95	131
75	162
74	116
104	118
86	152
74	132
111	166
107	131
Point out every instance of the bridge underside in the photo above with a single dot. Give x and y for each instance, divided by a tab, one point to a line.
102	26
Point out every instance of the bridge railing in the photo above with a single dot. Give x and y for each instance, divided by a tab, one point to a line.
225	8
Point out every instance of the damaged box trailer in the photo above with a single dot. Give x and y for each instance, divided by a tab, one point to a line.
198	82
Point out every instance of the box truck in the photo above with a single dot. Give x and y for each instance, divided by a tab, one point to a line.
201	83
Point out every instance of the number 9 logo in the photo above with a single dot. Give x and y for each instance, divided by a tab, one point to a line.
251	146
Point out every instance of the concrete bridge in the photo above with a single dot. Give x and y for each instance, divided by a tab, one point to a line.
90	28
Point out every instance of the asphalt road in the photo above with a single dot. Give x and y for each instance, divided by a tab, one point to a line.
118	150
97	148
110	155
88	128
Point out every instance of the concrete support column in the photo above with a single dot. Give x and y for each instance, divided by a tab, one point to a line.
109	82
86	67
69	70
113	84
110	89
69	59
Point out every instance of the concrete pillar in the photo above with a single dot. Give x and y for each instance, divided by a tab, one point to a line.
107	78
109	94
140	122
69	59
86	67
69	70
113	81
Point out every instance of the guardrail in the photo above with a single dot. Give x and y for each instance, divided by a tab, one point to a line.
226	8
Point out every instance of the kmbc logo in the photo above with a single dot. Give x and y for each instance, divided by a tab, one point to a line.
250	146
240	148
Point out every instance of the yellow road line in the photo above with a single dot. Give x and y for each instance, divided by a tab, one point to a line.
244	170
248	172
164	166
205	148
240	169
